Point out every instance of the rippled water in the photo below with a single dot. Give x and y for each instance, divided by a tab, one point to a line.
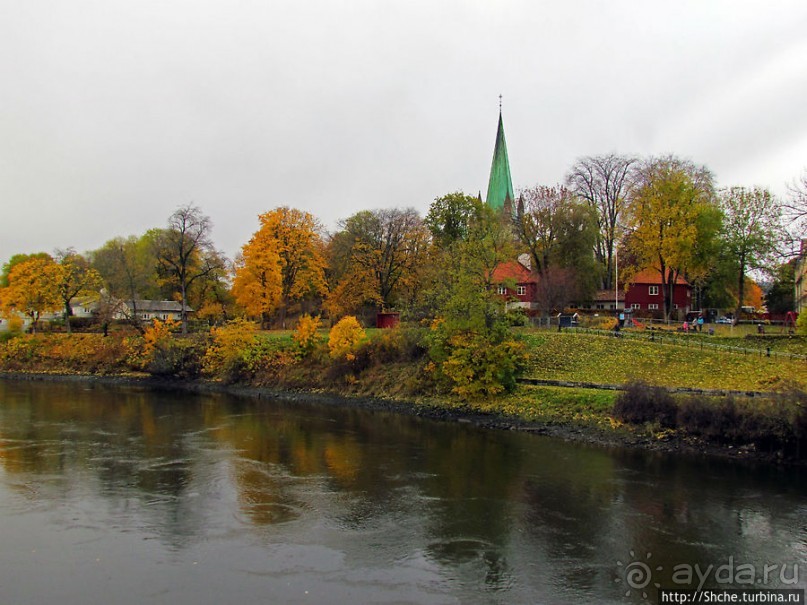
124	495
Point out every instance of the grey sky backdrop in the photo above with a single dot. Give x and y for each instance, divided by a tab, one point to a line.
113	113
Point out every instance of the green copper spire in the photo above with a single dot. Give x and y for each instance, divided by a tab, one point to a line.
500	185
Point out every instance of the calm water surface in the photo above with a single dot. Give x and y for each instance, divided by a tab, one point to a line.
124	495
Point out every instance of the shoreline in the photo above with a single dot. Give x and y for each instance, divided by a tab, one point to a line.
567	431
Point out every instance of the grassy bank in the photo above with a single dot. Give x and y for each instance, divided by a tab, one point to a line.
393	365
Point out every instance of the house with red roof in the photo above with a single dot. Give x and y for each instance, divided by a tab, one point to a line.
645	294
517	284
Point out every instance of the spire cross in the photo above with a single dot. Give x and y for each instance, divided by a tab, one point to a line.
500	102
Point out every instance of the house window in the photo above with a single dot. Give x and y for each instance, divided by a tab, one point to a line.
600	306
635	306
653	306
165	316
675	306
521	290
501	289
653	290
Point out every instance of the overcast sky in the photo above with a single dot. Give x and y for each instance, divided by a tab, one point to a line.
113	113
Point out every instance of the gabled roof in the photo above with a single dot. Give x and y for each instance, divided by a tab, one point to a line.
500	185
513	270
158	306
653	276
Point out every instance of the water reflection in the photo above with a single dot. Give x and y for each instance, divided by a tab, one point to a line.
331	504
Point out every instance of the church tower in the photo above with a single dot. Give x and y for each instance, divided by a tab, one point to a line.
500	185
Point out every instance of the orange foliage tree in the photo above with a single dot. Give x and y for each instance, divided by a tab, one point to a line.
282	264
32	289
376	258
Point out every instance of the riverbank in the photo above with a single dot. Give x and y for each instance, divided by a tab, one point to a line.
581	425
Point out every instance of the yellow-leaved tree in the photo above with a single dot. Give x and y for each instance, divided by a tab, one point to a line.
377	258
32	289
675	221
282	264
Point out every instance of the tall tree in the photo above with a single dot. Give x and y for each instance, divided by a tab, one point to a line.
559	233
76	277
32	289
752	230
257	283
674	221
128	267
16	260
290	239
604	181
377	256
450	217
185	252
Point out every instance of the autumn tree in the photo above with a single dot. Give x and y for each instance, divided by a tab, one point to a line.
752	230
256	285
75	277
470	343
559	233
32	289
604	182
212	293
16	260
376	258
450	218
128	267
185	253
674	221
282	264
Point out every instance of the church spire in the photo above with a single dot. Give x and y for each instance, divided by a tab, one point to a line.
500	185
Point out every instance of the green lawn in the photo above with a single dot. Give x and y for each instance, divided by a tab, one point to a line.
598	359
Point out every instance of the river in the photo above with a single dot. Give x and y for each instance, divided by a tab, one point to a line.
128	495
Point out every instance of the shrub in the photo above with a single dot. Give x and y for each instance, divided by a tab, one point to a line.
156	334
344	338
640	403
714	419
231	354
478	368
180	357
306	333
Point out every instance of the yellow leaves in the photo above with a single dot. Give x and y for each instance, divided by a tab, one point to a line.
230	342
156	334
344	337
32	288
306	333
283	262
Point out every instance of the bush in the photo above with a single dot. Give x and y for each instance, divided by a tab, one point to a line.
478	368
714	419
640	403
230	354
180	358
306	334
344	339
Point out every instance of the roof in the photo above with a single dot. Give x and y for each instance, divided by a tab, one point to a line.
500	185
515	271
158	306
653	276
610	295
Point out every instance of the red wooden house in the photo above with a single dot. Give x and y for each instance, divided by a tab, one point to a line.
645	294
517	284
